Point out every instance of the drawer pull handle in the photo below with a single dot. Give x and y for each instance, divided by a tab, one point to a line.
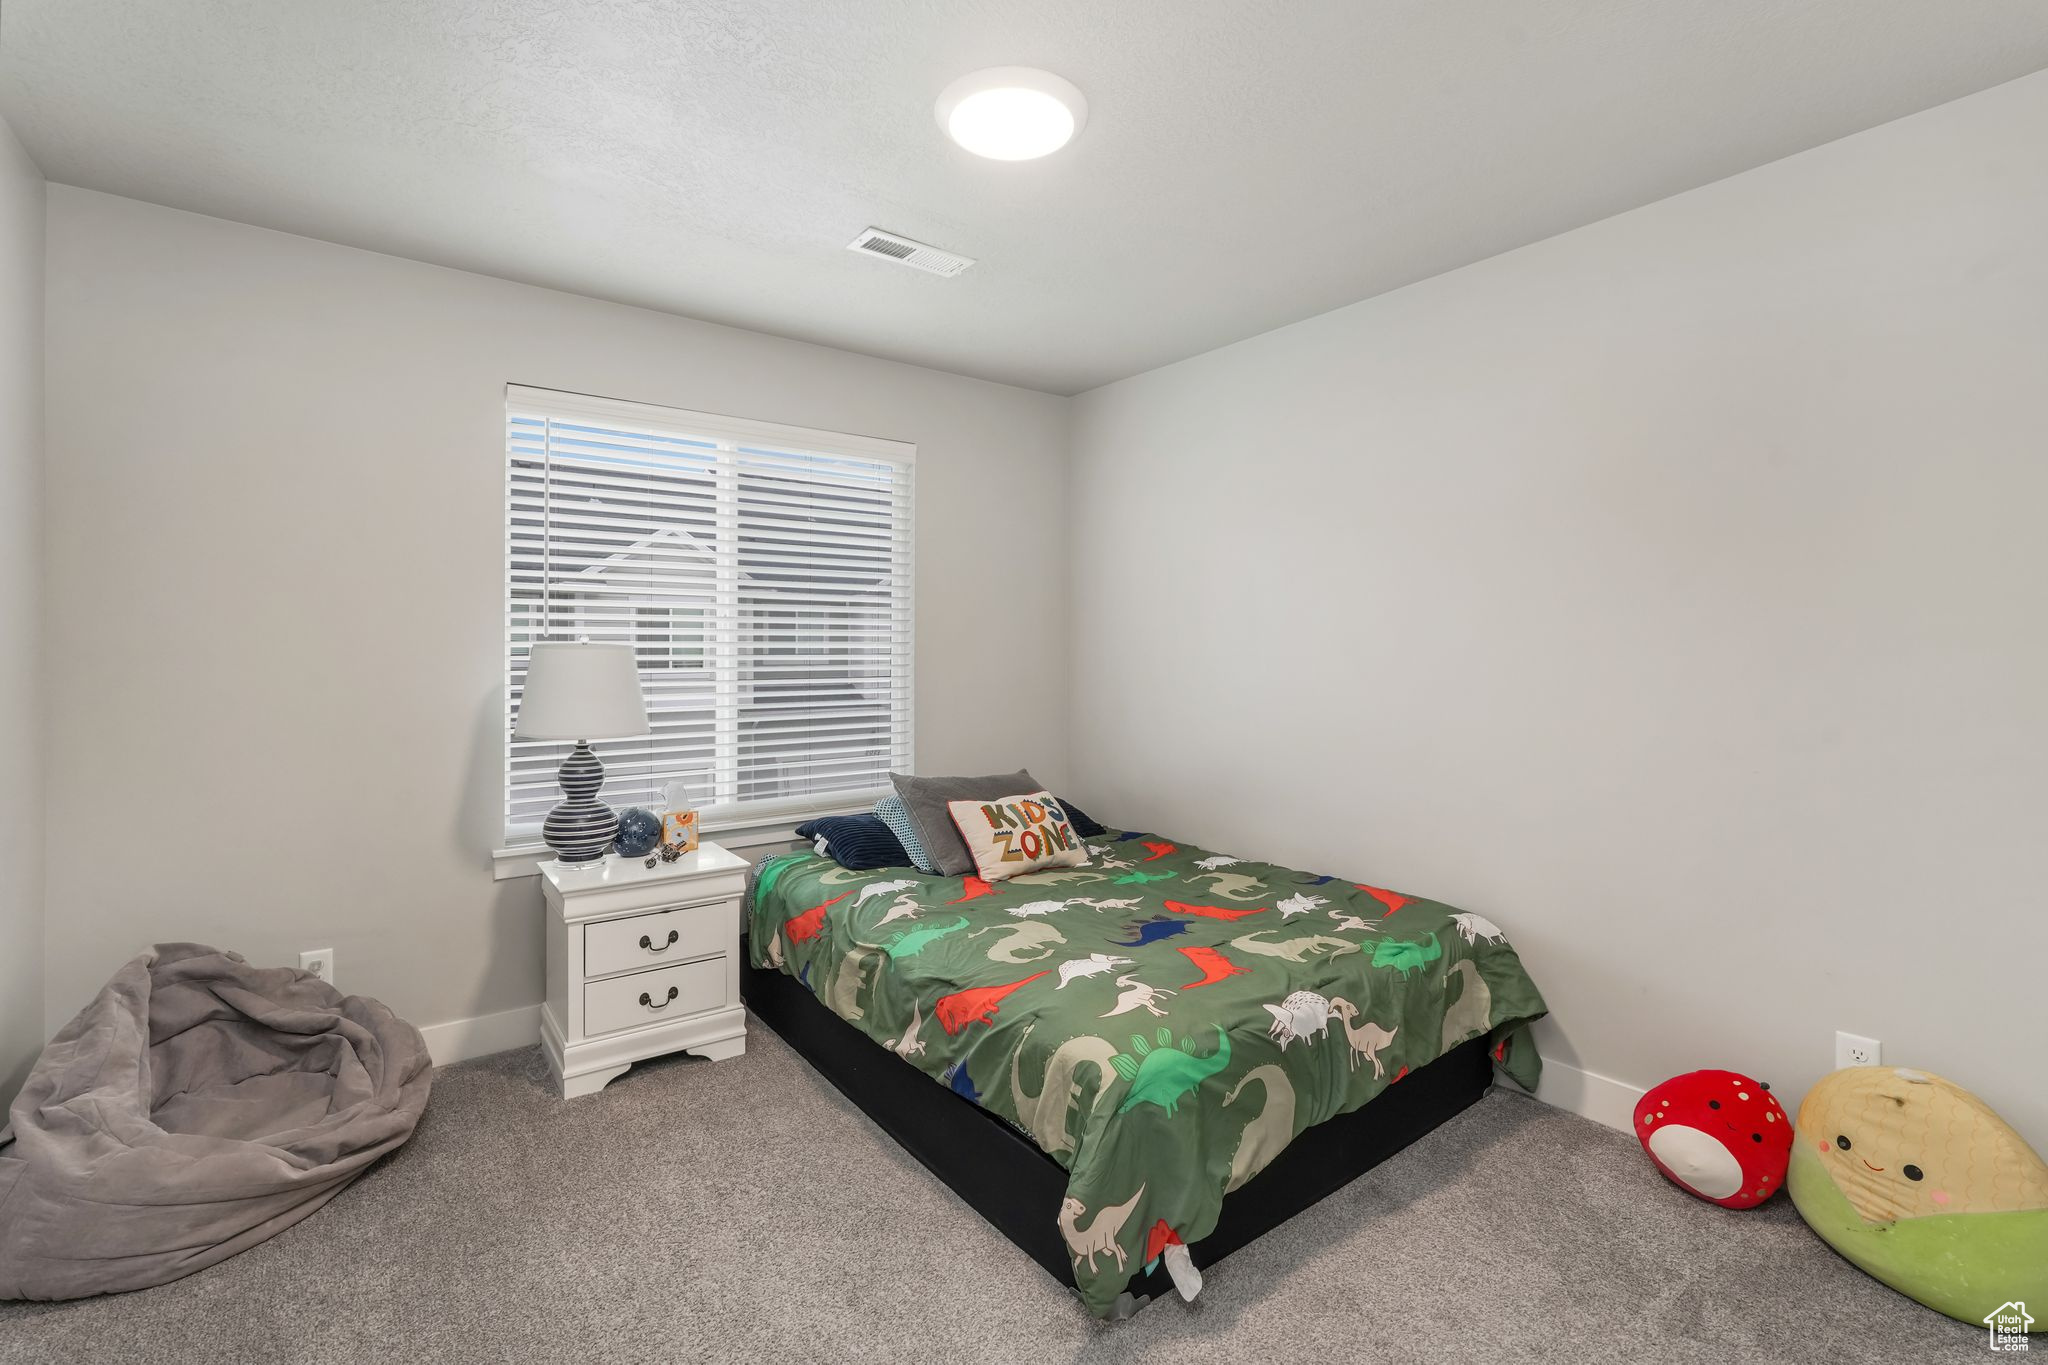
664	1004
649	944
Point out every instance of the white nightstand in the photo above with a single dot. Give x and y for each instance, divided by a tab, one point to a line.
641	961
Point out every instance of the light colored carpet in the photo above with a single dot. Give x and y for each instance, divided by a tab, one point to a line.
744	1211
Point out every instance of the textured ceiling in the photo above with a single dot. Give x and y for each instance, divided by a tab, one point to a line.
1246	162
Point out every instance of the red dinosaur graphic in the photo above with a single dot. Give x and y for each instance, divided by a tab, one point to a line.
805	927
1215	967
976	1004
1158	1240
1213	911
1159	850
1393	900
972	887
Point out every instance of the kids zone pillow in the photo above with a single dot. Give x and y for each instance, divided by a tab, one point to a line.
1015	834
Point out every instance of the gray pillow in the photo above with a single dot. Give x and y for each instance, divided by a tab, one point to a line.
925	799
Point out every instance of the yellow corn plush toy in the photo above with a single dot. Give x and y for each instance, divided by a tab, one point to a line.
1920	1184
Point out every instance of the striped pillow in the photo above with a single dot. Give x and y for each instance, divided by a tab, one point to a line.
891	811
860	843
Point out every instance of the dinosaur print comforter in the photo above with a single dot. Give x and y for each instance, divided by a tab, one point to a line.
1162	1021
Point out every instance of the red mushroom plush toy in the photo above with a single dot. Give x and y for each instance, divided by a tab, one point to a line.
1718	1135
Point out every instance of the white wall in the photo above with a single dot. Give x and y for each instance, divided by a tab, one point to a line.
21	719
276	488
1674	591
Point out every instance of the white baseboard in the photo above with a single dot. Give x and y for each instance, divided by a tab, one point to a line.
458	1040
1588	1094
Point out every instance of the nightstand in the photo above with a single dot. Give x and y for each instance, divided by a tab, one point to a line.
641	962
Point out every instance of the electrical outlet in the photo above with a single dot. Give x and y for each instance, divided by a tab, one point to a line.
320	962
1853	1049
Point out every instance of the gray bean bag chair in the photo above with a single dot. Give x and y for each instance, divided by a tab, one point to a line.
197	1106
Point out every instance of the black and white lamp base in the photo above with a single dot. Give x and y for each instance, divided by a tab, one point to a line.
580	829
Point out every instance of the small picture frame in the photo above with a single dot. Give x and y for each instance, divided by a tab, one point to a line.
679	832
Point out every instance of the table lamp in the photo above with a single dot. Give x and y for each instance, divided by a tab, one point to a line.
581	691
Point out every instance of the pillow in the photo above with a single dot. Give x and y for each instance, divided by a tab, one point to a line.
859	843
1083	826
926	799
1014	834
890	811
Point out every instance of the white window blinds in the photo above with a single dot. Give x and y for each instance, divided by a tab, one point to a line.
761	574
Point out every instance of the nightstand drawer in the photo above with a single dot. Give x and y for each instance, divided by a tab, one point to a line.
653	997
621	945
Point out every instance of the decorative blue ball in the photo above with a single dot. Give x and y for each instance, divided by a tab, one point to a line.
639	832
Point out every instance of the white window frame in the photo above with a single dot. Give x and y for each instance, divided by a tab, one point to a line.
750	829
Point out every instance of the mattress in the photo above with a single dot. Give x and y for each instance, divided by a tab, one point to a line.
1162	1022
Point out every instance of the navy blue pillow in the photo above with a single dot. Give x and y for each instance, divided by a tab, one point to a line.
858	843
1078	818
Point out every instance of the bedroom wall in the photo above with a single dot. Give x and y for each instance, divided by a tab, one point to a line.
276	545
1672	591
21	723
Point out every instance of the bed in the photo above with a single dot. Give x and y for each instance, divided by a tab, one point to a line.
1167	1046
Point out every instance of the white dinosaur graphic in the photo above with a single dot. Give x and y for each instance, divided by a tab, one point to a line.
842	993
1220	860
1347	921
1300	904
874	889
1365	1041
910	1044
1105	856
1475	927
1267	1135
905	907
1044	1115
1070	874
1137	995
1295	949
1091	965
1299	1015
1101	1234
1026	942
1128	903
1472	1013
1232	886
1031	908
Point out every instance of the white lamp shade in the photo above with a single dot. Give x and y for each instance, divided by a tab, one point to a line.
581	691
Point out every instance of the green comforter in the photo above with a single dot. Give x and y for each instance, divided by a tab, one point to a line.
1162	1021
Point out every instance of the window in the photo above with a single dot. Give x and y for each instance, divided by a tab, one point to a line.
762	576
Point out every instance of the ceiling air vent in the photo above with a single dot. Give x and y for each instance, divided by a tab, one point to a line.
889	246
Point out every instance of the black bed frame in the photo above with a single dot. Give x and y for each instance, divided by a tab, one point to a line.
1006	1178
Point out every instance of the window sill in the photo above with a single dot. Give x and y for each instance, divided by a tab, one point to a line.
744	835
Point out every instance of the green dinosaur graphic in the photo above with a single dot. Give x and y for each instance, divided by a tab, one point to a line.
771	873
911	942
1140	878
1406	957
1161	1075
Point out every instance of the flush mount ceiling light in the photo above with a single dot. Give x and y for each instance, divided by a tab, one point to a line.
1012	113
